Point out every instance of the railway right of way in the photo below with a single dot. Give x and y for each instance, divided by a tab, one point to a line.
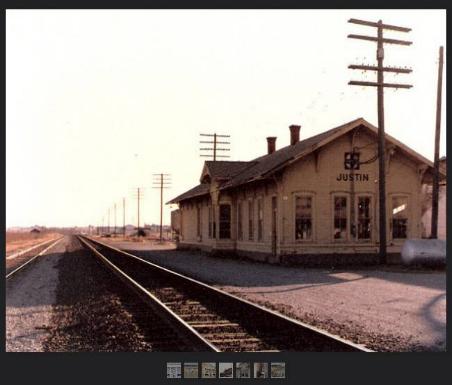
210	319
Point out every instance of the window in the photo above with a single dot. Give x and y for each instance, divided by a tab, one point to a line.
198	221
260	219
340	217
303	217
364	218
212	224
250	220
399	217
210	221
225	221
239	221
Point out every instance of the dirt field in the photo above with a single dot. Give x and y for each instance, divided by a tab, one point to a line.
16	241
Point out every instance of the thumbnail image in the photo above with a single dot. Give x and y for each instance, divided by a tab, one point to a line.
260	370
173	370
242	370
190	370
225	369
209	370
278	370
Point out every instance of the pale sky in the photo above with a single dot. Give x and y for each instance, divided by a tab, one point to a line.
99	100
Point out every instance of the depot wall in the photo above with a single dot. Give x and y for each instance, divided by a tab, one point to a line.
322	176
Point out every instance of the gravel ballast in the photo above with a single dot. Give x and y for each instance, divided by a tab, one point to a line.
30	296
66	301
384	309
94	311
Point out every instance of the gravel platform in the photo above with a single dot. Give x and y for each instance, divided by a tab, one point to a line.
386	309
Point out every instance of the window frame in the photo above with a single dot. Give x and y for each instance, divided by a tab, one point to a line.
345	195
239	220
408	217
371	219
221	221
251	220
210	222
198	222
301	194
260	222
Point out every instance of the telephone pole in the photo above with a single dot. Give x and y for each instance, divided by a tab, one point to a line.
381	85
108	220
435	190
214	147
138	211
124	217
161	181
115	221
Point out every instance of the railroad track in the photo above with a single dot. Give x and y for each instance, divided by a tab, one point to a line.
212	319
17	262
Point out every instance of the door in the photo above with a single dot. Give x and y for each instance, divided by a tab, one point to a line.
274	219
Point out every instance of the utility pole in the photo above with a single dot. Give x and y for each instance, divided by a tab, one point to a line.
435	190
124	217
138	209
381	85
161	181
108	220
115	220
138	194
215	147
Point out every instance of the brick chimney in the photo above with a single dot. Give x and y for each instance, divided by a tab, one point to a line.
294	134
271	144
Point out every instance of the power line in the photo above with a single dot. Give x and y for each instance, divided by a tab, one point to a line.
381	85
214	147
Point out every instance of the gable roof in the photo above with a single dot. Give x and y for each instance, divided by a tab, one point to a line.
266	165
223	169
239	173
196	191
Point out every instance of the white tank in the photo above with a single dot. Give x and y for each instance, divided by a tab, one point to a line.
424	251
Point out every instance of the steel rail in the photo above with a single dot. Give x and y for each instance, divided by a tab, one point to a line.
10	274
172	319
22	252
314	331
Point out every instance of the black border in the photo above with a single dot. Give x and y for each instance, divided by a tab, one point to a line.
150	368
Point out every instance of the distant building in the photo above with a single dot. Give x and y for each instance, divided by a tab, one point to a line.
35	231
315	199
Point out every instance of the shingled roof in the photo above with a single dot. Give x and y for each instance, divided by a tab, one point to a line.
196	191
238	173
224	169
270	162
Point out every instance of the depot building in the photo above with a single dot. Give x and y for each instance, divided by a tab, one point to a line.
311	201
